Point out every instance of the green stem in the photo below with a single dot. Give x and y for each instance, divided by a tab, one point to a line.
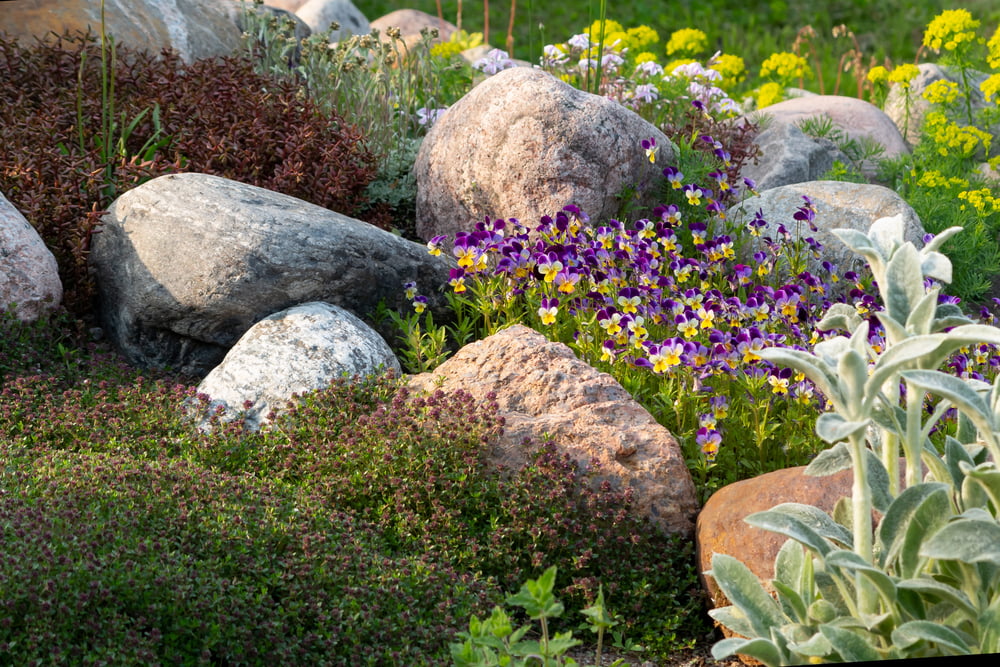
913	442
861	497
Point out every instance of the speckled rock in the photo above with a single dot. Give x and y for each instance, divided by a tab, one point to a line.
295	351
410	22
194	28
319	14
29	276
838	205
788	155
186	263
856	119
524	144
543	390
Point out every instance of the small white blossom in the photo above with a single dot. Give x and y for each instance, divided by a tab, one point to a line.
649	68
495	61
579	41
428	117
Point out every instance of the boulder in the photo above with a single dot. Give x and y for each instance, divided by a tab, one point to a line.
788	155
524	144
838	205
721	528
195	29
186	263
854	119
298	350
287	5
29	277
410	22
545	392
319	14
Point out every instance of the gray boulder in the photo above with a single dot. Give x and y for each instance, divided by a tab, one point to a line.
788	155
319	14
524	144
838	205
185	264
194	28
29	277
298	350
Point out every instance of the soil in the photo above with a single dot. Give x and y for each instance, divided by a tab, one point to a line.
698	656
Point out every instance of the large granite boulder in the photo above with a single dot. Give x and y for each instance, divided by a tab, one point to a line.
298	350
545	392
319	14
788	155
186	263
838	205
524	144
195	29
852	118
29	277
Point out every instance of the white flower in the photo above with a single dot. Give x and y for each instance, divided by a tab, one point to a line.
689	70
428	117
649	68
646	92
554	55
494	61
579	41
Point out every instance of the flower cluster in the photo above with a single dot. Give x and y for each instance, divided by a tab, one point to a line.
950	138
950	30
687	42
786	67
665	295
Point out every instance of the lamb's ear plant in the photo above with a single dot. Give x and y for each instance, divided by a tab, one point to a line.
926	582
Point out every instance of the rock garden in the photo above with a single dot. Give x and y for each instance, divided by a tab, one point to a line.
328	341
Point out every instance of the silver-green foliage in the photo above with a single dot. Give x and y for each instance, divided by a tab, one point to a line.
926	582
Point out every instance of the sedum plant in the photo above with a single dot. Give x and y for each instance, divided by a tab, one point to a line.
926	581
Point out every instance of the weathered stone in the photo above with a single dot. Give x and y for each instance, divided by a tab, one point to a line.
287	5
193	28
293	352
544	391
319	14
187	263
721	529
856	119
788	155
29	276
410	22
838	205
524	144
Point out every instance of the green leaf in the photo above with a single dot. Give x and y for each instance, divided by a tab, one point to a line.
965	540
816	646
536	596
851	646
955	453
791	602
813	519
935	243
956	390
921	317
932	589
764	650
833	428
908	353
905	283
848	560
840	316
793	566
937	266
916	509
878	482
988	477
830	461
914	632
744	590
734	619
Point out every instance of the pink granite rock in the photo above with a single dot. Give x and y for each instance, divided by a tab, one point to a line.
524	144
544	391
